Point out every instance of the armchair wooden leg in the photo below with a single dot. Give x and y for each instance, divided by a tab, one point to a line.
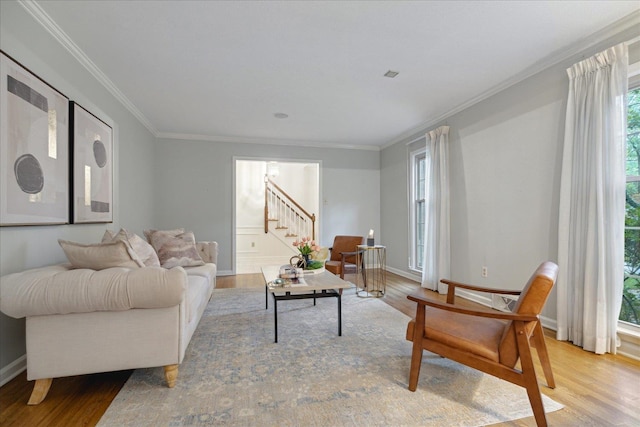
530	381
40	390
416	354
543	355
171	375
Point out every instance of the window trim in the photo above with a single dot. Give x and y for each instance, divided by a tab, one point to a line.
625	329
414	156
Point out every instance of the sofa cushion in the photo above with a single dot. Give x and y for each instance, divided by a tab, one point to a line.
208	271
59	290
143	250
176	250
99	256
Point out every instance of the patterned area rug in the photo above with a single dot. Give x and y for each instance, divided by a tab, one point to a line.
234	374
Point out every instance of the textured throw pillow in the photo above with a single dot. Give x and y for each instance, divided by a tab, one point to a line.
176	250
175	232
100	255
143	250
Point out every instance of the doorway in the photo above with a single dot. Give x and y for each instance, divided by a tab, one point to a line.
253	246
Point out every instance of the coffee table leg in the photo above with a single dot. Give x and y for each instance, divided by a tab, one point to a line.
339	314
275	316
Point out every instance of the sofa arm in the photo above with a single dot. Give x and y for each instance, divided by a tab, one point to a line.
60	290
208	251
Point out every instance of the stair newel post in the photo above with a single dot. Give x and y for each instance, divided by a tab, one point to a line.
313	226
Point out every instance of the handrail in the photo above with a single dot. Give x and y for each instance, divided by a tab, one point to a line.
286	201
288	197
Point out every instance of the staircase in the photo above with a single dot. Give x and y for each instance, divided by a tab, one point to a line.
284	217
285	221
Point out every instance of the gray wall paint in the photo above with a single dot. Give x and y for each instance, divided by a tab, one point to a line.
195	188
34	246
506	159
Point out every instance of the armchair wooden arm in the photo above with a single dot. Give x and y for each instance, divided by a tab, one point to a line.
492	314
451	292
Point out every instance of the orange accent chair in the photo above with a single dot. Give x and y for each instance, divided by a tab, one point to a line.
488	340
343	255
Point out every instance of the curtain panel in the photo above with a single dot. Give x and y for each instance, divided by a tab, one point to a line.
592	202
437	253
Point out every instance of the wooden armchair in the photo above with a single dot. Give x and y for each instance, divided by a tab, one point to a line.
343	256
488	340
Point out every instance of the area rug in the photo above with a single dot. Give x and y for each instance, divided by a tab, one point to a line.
234	374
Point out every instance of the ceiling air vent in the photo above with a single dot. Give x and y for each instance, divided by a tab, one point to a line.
391	74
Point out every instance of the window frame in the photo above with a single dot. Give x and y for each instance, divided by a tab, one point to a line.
414	236
634	83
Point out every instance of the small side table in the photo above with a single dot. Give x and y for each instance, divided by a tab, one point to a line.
373	260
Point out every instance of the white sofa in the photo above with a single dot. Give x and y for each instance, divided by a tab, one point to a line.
82	321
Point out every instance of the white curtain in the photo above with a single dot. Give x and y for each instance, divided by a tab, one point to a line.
436	261
592	202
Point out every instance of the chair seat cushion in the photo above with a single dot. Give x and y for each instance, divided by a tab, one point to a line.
335	267
478	335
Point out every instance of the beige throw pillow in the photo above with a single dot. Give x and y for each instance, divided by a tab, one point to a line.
143	250
100	255
176	250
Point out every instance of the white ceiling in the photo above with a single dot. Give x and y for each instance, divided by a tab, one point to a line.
219	70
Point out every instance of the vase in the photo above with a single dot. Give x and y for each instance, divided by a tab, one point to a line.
306	260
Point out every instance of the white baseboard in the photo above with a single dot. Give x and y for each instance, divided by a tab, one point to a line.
404	274
13	369
224	273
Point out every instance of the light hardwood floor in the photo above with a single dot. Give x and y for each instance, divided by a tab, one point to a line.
596	390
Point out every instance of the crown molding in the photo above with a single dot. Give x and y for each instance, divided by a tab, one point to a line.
266	141
33	8
628	22
50	25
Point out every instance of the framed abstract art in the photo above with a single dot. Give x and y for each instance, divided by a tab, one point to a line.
34	149
92	148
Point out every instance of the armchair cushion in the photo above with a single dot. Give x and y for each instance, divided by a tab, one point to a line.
480	336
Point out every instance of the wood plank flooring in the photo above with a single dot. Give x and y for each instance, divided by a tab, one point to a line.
596	390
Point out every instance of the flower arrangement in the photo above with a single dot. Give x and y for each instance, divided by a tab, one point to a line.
306	246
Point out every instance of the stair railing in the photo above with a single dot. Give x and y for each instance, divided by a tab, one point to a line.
280	207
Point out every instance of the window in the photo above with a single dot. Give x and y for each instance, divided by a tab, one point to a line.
630	311
418	207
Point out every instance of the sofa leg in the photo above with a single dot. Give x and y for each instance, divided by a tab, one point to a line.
171	375
40	390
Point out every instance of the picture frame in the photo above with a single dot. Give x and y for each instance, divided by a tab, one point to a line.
34	148
92	172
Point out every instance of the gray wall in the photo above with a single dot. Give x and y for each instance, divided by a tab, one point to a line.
134	147
506	158
195	188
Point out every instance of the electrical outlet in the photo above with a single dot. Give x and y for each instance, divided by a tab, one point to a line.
253	244
485	272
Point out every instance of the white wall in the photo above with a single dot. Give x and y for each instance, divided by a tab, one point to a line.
506	155
195	188
34	246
